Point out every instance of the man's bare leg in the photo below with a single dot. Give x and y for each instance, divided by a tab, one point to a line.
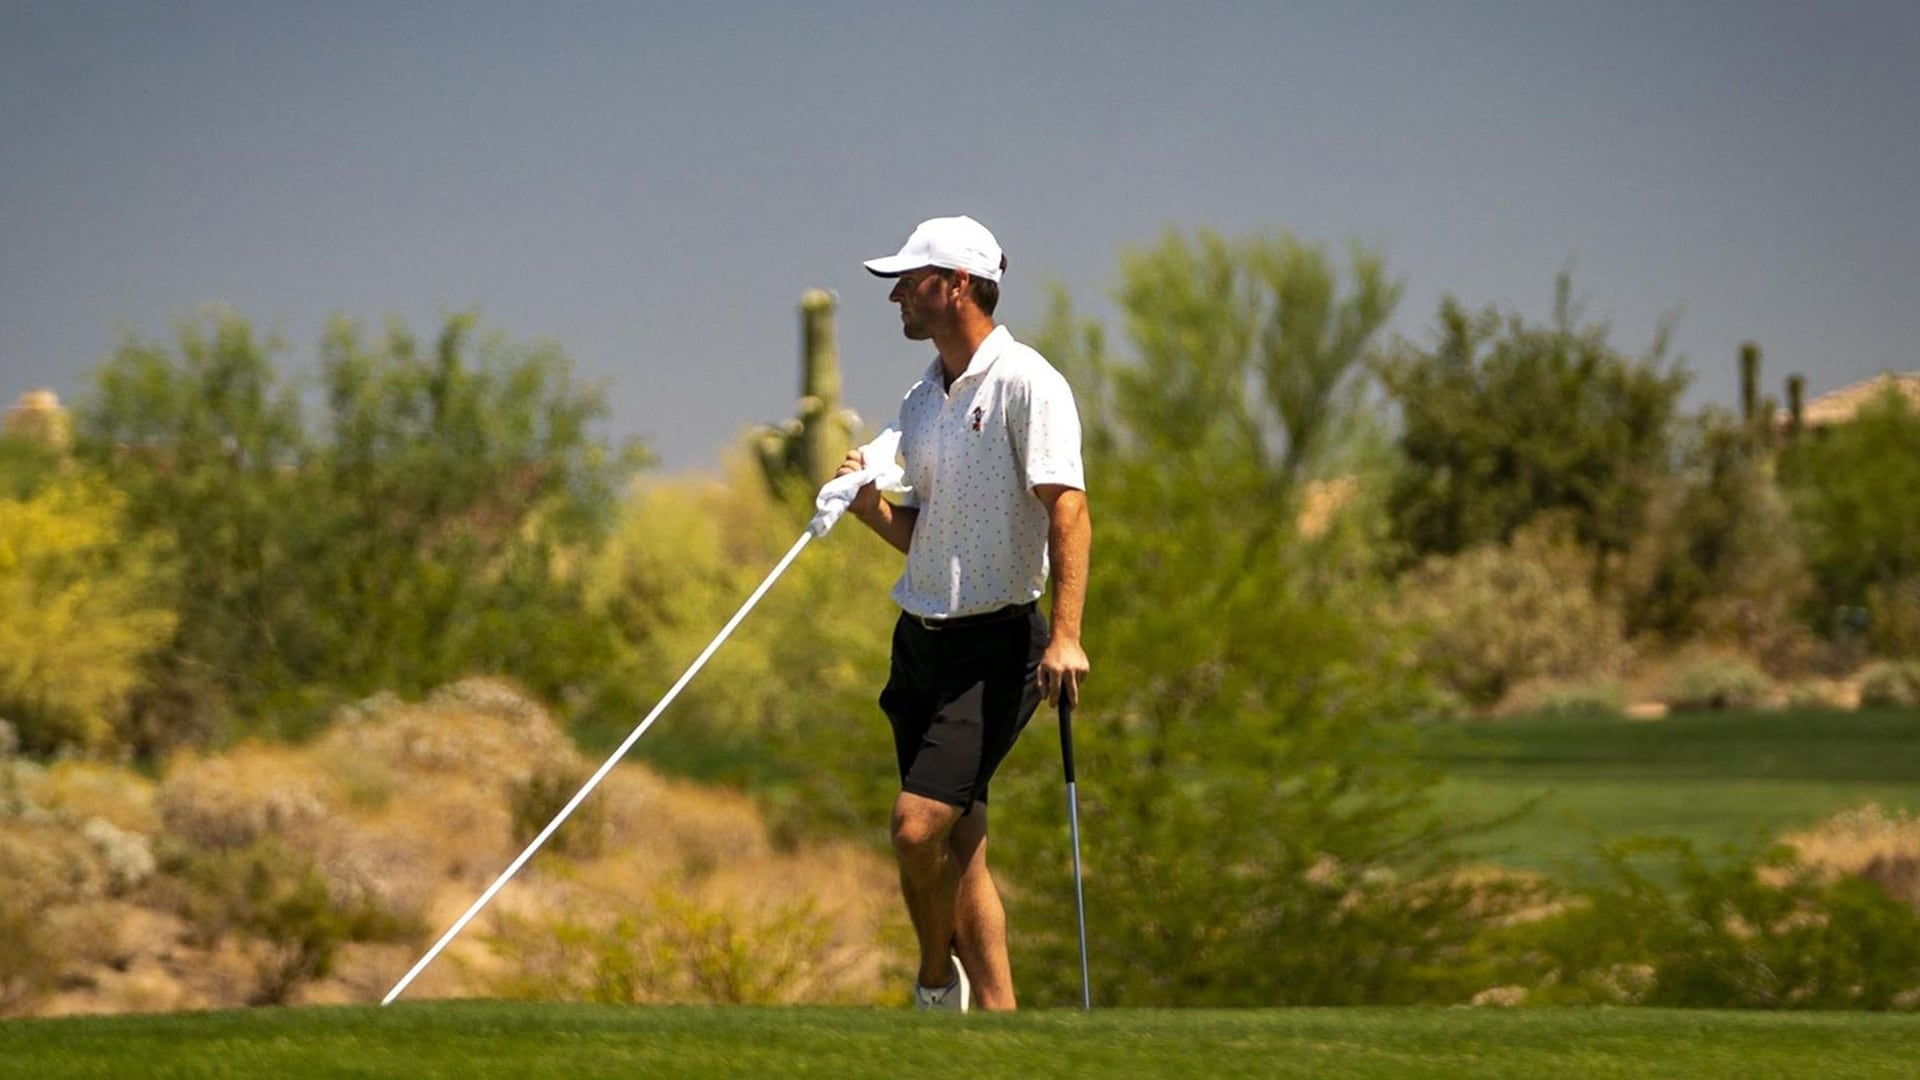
980	920
929	879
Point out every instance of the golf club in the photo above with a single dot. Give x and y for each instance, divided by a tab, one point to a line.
1073	831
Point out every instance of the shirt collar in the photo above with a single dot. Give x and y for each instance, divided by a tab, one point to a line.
983	357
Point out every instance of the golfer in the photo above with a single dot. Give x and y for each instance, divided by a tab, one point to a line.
990	441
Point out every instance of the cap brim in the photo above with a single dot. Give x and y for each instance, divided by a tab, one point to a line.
892	265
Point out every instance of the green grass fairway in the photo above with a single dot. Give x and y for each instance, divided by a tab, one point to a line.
483	1040
1718	779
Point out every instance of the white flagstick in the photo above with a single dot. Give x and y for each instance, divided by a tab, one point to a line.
882	470
604	769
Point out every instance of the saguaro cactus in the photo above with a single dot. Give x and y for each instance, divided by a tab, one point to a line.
804	450
1749	381
823	431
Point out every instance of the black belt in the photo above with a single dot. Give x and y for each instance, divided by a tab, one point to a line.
1011	611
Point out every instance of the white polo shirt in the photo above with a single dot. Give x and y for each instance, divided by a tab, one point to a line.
973	454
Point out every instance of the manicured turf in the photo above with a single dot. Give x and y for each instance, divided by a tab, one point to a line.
482	1040
1717	779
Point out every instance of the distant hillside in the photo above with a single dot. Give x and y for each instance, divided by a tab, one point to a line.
1840	406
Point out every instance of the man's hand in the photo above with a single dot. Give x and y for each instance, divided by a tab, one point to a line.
1069	537
867	499
893	523
1062	668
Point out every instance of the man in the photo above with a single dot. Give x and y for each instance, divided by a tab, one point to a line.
990	442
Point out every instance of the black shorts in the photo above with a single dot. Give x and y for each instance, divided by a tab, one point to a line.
958	697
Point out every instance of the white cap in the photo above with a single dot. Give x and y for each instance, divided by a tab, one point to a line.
955	243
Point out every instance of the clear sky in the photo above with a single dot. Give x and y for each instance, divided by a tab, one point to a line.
653	185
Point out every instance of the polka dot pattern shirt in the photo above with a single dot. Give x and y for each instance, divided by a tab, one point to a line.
973	453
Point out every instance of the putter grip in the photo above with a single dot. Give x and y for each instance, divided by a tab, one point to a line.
1066	735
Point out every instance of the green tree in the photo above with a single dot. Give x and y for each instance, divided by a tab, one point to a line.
27	466
206	444
1502	420
1717	556
1256	821
465	486
428	529
1852	487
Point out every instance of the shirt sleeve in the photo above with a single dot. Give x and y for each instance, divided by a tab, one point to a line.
1047	437
911	497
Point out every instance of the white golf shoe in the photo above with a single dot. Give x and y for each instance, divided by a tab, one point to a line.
956	996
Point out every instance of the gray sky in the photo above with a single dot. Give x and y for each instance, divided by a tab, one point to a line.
652	186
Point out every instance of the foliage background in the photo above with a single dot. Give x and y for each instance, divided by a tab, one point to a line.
1318	553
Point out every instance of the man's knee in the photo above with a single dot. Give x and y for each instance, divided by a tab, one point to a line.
922	827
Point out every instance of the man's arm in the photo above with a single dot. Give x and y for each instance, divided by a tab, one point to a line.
893	523
1069	541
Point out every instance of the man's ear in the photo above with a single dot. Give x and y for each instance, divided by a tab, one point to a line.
961	280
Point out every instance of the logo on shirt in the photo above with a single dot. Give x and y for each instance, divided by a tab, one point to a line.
979	417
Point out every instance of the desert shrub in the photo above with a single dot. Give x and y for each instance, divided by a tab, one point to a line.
29	960
485	729
1498	615
678	950
536	798
81	789
276	895
1604	698
1868	843
227	802
1726	683
1893	617
257	850
127	858
42	868
1894	683
456	766
1820	695
47	863
367	784
1763	933
730	960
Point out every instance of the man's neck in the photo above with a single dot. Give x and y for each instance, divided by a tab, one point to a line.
957	347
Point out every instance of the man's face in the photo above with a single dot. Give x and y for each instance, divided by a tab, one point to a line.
926	297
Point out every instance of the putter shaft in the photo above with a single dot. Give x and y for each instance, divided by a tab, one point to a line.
1073	832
